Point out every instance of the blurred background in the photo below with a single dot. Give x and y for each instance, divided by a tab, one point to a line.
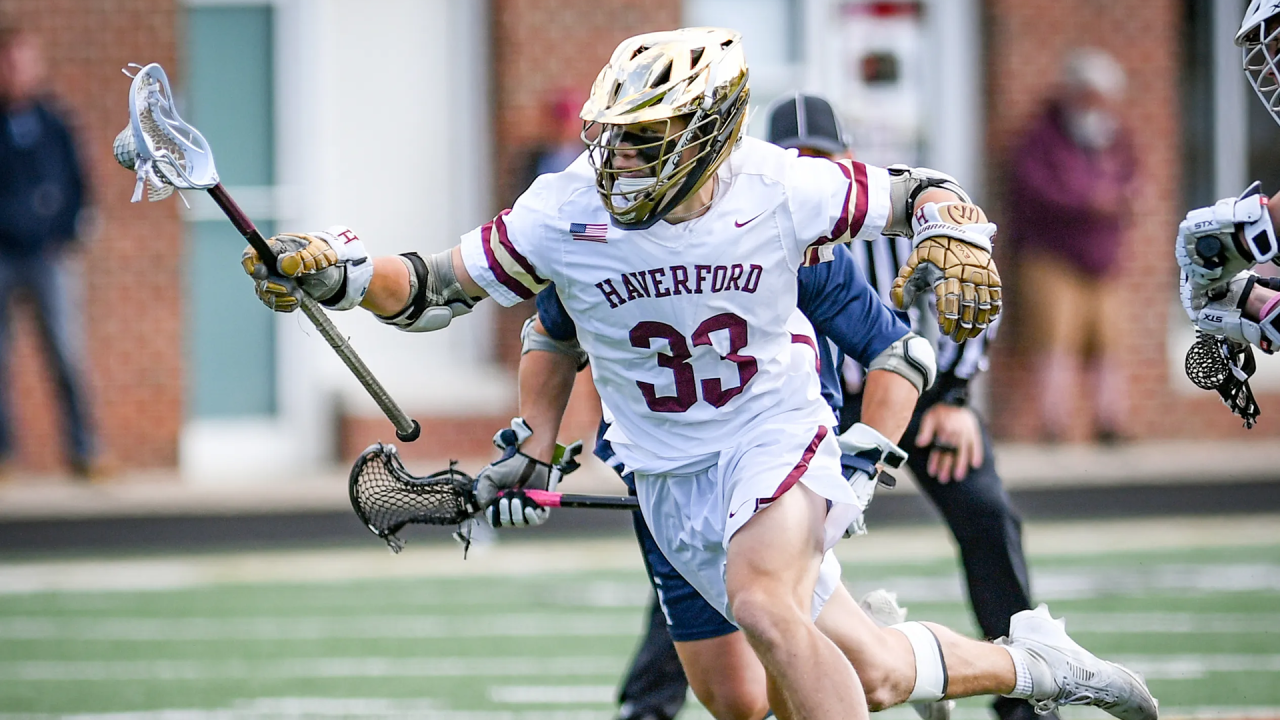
220	428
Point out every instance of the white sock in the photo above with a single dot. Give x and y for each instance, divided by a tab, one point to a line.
1022	684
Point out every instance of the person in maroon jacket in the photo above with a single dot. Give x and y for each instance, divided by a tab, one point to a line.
1071	190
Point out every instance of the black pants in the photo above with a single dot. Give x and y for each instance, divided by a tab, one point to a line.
986	527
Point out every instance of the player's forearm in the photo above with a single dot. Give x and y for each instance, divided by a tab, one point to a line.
888	401
389	291
545	384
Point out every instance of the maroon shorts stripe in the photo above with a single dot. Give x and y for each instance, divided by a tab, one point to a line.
801	467
799	339
860	205
521	260
499	272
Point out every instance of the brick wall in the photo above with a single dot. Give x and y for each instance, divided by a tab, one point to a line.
541	48
132	309
1025	40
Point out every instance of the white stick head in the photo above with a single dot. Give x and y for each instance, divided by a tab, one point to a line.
158	144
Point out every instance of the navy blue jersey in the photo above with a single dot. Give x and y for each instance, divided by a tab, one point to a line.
836	297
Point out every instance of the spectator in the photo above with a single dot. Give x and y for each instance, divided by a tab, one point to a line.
562	138
42	202
1071	196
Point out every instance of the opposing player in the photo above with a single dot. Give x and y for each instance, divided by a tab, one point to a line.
675	250
1218	245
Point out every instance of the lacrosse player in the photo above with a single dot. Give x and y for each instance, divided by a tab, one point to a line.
674	245
725	675
1218	245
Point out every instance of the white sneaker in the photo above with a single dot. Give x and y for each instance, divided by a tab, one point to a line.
1063	673
884	609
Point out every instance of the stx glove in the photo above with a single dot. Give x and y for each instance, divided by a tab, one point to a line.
1216	243
864	450
499	484
1219	311
332	267
953	256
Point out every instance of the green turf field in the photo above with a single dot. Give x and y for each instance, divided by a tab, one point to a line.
162	638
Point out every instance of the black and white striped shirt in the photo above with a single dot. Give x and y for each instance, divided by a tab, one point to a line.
958	363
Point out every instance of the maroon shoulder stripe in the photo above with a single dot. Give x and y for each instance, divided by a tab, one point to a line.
801	467
499	272
842	223
860	206
521	260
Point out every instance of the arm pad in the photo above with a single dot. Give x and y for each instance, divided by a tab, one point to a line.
531	340
905	186
435	295
912	357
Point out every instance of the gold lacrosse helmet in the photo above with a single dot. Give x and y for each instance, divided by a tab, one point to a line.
695	75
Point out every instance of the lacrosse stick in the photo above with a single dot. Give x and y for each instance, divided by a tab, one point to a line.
387	497
167	153
1218	364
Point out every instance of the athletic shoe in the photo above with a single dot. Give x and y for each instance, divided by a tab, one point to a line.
884	609
1063	673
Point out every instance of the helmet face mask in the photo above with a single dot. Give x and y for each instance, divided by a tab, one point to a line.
1259	39
663	114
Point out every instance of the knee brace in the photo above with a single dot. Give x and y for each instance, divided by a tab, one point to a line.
931	669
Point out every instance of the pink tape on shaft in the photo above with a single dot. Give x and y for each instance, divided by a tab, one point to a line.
1271	305
547	499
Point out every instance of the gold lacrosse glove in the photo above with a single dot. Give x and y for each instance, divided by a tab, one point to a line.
309	258
962	274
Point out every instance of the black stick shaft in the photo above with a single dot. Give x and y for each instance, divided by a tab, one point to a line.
407	429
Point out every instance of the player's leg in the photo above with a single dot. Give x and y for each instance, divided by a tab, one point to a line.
988	532
1037	661
726	676
771	573
889	666
724	673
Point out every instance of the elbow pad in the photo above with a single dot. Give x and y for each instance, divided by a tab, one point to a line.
531	340
905	186
912	357
435	295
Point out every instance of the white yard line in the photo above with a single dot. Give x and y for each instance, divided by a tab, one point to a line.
313	667
530	625
533	558
1165	667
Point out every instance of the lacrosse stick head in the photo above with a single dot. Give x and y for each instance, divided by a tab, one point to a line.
1220	365
387	497
164	150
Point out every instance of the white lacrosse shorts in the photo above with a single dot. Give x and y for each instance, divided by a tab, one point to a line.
693	516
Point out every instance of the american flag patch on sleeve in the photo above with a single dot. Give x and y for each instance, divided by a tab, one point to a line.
589	232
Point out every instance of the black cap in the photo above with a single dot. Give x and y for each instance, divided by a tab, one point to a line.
805	121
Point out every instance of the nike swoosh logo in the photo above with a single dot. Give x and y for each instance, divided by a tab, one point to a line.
744	224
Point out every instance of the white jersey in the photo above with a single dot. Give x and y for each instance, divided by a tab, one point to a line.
692	328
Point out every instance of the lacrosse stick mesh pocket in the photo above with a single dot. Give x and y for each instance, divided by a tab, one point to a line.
1224	367
387	497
